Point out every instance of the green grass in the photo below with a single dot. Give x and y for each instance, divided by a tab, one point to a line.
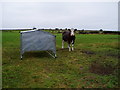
69	70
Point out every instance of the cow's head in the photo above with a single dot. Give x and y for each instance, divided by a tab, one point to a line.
34	28
72	31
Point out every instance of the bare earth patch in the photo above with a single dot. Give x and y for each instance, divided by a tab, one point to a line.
100	69
88	52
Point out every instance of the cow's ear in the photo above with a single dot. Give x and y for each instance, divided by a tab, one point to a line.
69	30
75	29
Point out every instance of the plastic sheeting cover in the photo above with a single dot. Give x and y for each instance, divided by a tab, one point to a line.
37	40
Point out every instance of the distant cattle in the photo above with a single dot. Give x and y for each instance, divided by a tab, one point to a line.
69	37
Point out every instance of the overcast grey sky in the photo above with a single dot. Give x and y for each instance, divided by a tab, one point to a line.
80	15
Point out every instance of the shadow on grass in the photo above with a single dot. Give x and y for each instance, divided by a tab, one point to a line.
36	54
67	49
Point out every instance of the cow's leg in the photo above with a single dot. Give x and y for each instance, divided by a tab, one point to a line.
62	44
72	45
69	47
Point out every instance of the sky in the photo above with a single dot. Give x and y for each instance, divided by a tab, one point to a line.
79	15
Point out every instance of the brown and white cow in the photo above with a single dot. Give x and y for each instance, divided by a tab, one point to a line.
69	37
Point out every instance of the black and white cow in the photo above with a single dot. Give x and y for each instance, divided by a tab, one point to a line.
69	37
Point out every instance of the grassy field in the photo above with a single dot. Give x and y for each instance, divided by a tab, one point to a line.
93	64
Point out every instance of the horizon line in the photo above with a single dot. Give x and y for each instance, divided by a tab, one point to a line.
59	29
